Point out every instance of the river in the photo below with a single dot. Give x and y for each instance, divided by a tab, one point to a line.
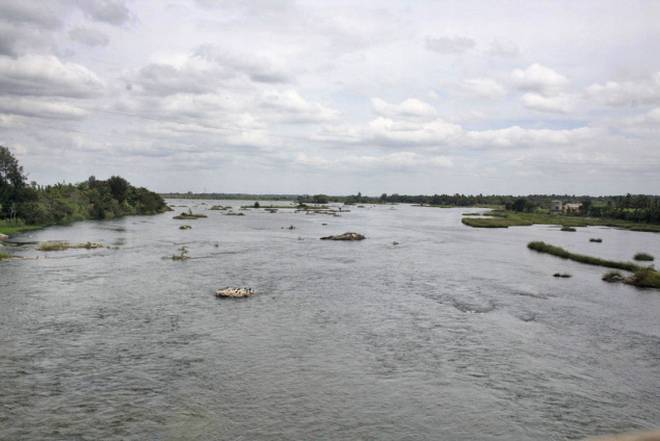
455	333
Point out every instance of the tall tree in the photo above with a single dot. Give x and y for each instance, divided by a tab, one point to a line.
12	181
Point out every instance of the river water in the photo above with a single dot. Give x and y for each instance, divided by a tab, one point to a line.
456	333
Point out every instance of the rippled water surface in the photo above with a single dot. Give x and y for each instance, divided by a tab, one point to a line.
456	333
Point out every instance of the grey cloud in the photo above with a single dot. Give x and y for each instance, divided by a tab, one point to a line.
46	76
41	14
165	79
40	109
449	45
500	48
113	12
255	67
89	36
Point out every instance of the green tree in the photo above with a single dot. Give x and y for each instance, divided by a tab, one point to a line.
118	188
12	182
320	199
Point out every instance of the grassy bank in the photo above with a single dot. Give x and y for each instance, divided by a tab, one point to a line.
505	219
11	228
642	277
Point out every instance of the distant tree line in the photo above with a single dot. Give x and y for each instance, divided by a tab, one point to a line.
638	208
62	203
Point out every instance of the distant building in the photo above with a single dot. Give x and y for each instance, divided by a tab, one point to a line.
572	208
556	206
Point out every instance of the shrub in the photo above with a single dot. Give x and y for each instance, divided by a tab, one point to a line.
643	257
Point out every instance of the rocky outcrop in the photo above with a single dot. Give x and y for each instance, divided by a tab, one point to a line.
234	292
345	236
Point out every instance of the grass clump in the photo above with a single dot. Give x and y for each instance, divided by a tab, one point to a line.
644	278
183	254
643	257
63	245
4	256
543	247
189	215
185	227
567	228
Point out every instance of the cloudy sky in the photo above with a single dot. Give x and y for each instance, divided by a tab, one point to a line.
280	96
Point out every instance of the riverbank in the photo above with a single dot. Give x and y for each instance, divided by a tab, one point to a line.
505	219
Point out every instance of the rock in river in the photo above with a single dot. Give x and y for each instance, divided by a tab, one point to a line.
234	292
345	236
3	236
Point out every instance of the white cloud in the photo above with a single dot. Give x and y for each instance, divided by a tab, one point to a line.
409	108
503	48
520	138
562	103
257	67
397	161
484	87
385	131
449	45
289	106
539	79
627	93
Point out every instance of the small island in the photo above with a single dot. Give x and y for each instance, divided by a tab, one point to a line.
28	206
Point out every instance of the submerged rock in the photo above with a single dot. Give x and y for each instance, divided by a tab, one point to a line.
185	227
234	292
562	275
596	239
345	236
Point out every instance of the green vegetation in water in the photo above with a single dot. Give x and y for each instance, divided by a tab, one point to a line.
271	207
644	257
645	278
183	254
185	227
4	256
189	215
566	228
642	277
63	245
543	247
507	218
613	277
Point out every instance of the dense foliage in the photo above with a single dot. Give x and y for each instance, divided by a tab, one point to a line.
62	203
